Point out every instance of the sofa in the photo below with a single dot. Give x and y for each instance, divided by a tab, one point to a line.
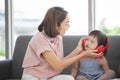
11	69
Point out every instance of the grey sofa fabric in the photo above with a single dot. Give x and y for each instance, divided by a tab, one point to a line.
113	54
12	69
19	52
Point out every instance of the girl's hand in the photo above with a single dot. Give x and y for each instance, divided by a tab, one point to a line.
91	53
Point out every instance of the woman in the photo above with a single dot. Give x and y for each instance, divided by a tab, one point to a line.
44	58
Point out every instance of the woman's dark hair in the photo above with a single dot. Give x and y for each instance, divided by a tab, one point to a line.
52	21
101	37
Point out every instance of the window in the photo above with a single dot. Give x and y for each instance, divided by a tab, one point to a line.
28	16
2	29
107	16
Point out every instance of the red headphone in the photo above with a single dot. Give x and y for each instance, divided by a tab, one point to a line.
100	48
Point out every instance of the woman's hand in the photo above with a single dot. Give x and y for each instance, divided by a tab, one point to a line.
91	53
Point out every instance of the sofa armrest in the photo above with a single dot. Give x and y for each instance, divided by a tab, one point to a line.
5	66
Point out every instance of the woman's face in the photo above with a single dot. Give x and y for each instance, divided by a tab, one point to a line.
91	43
64	26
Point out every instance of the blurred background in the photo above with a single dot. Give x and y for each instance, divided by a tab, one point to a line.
22	17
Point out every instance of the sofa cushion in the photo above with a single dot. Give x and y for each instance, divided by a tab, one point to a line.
18	55
69	43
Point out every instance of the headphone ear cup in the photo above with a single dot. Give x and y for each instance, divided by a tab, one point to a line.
83	40
83	43
100	48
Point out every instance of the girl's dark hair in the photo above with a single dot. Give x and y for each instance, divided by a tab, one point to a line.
101	37
52	21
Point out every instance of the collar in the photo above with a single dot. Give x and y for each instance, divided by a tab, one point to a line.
52	40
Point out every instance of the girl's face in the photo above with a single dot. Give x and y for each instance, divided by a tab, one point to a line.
64	26
91	43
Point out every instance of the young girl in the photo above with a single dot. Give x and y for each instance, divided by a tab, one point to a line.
93	68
